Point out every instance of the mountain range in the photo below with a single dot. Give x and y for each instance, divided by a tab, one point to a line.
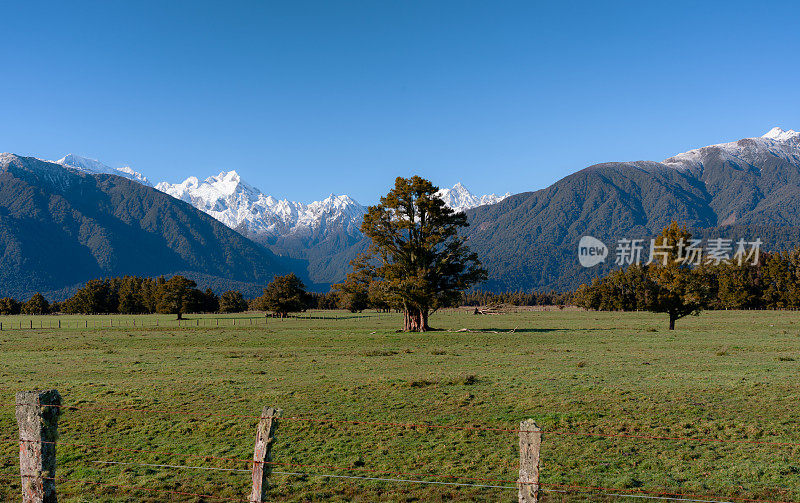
67	221
325	234
746	189
60	227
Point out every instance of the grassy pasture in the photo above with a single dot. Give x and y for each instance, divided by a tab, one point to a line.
723	375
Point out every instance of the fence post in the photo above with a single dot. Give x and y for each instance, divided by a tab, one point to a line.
38	430
265	437
530	442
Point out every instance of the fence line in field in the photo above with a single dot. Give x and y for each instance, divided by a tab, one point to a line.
528	485
199	321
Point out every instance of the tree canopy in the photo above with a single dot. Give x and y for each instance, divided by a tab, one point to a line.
232	301
677	288
176	296
284	295
36	305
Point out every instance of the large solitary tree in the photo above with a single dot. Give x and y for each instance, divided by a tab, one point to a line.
677	289
416	254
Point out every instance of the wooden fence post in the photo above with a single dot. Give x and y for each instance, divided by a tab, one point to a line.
530	442
38	430
265	437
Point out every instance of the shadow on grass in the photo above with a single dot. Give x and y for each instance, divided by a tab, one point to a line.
521	330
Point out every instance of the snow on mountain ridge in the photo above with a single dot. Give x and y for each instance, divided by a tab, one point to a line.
461	199
241	206
244	207
93	166
777	142
779	134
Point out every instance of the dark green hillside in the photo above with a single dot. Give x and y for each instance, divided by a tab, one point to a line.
747	189
60	227
529	241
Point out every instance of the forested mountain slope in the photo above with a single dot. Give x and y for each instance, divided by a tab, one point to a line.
60	227
529	241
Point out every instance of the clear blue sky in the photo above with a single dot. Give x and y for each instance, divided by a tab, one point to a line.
309	98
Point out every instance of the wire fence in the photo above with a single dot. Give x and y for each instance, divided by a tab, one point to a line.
234	467
196	320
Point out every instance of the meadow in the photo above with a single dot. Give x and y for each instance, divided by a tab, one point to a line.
725	375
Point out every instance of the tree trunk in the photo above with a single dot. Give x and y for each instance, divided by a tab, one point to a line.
180	315
415	320
672	318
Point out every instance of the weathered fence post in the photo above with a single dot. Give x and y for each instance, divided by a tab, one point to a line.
37	416
530	442
265	437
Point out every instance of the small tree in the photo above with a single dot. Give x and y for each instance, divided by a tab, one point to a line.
677	288
353	294
9	306
232	301
284	295
210	301
175	296
36	305
416	252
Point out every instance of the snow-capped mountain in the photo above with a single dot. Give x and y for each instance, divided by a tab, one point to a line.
241	206
780	135
461	199
775	143
94	167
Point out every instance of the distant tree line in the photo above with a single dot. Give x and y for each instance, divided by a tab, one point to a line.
37	304
484	298
177	295
771	282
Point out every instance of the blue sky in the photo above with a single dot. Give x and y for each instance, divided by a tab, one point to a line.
309	98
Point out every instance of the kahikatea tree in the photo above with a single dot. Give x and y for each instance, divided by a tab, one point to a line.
9	305
175	296
96	296
232	301
416	253
211	301
36	305
353	294
284	295
677	288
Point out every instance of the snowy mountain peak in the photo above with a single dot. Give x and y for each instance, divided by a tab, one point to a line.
776	142
93	166
241	206
83	163
460	198
779	134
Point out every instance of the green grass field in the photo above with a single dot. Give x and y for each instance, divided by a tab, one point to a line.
723	375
